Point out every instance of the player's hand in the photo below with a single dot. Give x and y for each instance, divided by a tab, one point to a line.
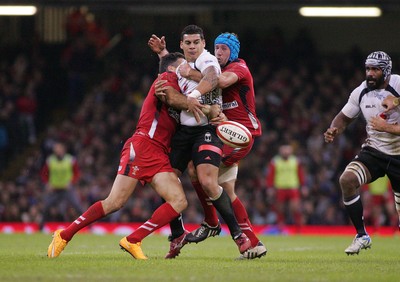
160	87
184	70
378	123
156	44
195	107
330	134
217	120
215	115
389	103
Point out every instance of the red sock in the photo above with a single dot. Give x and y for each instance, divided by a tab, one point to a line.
244	222
161	216
93	213
210	214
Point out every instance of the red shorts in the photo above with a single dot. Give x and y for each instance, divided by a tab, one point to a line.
232	156
283	195
141	159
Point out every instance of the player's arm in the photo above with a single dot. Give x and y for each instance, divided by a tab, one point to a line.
186	71
158	45
379	124
175	99
225	79
338	125
208	82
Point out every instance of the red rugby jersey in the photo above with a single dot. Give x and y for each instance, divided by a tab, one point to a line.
157	119
239	100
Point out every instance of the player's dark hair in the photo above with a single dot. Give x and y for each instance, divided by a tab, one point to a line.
168	60
192	29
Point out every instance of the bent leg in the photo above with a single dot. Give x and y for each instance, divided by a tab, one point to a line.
121	190
208	178
355	175
168	186
210	214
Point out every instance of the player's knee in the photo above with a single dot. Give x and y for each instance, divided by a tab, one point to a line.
207	184
111	206
179	203
348	183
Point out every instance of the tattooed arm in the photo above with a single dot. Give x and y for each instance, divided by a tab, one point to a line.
209	80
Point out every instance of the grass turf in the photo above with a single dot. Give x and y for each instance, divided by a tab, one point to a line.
290	258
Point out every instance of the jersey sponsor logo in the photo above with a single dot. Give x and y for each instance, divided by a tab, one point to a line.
370	106
230	105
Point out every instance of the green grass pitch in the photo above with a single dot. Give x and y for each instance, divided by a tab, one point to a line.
290	258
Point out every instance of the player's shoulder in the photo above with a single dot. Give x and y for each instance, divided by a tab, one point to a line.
206	56
168	75
239	63
394	79
360	88
206	53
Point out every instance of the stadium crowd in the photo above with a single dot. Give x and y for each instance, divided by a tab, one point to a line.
298	91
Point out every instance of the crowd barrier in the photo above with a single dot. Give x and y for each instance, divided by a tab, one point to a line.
127	228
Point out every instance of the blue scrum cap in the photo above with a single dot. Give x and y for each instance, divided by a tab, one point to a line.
230	40
381	60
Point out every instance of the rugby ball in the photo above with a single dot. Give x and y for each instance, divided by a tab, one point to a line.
234	134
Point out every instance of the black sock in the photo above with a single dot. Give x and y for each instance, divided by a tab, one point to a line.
224	207
176	226
355	212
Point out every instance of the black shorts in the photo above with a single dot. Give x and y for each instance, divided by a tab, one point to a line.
379	164
198	143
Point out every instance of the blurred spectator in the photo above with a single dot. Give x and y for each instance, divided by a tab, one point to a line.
284	181
379	204
295	100
60	174
76	23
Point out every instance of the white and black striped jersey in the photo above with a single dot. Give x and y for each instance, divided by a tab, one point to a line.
205	60
369	103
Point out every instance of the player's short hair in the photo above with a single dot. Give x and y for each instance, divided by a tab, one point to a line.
192	29
381	60
232	41
168	60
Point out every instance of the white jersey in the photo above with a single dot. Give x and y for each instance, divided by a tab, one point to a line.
369	102
187	86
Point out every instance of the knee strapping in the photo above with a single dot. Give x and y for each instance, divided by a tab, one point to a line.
227	173
359	171
397	200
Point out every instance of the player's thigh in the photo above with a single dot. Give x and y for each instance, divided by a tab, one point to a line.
393	172
207	173
121	190
168	186
207	149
